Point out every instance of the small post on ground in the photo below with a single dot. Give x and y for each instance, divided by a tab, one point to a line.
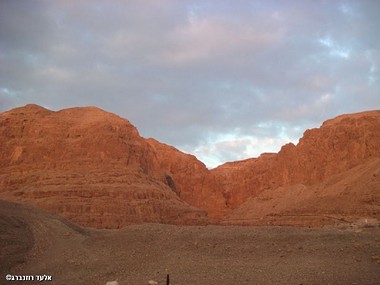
167	279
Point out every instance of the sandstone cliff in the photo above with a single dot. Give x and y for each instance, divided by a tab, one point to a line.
191	179
344	198
321	164
88	165
94	168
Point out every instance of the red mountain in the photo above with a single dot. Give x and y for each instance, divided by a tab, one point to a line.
94	168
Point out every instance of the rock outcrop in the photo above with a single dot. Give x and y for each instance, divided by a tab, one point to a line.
94	168
324	159
190	179
88	165
347	197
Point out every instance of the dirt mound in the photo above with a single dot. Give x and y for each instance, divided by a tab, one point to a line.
27	232
15	238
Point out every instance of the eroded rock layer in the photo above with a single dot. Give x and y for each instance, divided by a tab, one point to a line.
332	171
88	165
94	168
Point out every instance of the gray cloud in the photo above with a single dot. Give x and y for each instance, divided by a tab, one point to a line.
221	79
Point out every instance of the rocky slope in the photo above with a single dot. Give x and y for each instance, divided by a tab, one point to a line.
191	179
88	165
314	178
349	197
95	169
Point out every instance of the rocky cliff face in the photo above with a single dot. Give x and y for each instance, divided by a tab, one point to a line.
340	144
343	198
93	168
88	165
321	162
191	179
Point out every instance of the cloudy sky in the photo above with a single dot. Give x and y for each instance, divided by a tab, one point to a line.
223	80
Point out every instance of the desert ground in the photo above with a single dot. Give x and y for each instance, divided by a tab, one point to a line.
34	242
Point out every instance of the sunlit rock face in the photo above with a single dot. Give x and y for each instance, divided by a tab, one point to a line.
333	172
88	165
94	168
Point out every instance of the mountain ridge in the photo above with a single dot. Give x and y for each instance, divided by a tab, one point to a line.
94	168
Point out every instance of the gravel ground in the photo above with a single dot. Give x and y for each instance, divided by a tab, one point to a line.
203	255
